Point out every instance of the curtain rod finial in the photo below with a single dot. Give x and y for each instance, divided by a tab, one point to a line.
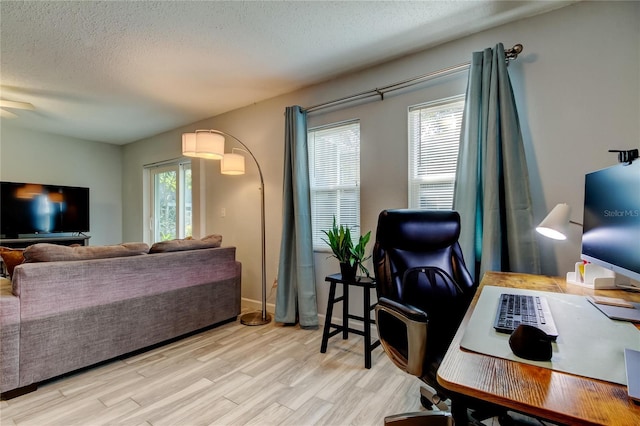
511	54
514	51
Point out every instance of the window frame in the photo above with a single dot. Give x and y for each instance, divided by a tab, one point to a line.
414	179
345	213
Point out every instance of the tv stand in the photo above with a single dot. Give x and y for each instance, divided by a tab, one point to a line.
27	241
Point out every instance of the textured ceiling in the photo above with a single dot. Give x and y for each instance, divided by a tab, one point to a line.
119	71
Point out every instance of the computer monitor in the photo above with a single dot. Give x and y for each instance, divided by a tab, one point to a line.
611	236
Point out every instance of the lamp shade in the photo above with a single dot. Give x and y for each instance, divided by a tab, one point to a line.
189	144
556	223
232	164
209	145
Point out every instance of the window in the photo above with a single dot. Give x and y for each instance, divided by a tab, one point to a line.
171	209
434	137
334	174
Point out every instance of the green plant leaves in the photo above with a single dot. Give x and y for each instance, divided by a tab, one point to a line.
339	241
341	244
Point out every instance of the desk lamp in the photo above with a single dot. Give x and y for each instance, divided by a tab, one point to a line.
555	224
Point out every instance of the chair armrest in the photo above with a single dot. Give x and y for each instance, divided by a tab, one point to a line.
415	322
408	311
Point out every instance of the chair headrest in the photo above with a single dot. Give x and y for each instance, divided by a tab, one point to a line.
415	230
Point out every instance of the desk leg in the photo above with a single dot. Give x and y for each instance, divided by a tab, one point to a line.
327	319
366	314
345	311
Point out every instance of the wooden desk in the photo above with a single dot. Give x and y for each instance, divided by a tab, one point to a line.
541	392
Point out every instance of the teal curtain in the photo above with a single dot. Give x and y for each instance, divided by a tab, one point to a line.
296	291
492	184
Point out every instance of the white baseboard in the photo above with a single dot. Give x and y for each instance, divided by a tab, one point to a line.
249	305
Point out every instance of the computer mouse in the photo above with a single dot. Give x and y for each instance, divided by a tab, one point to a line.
531	343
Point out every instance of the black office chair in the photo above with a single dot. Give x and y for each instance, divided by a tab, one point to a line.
424	290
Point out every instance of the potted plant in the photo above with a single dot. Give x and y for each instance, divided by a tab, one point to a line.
350	257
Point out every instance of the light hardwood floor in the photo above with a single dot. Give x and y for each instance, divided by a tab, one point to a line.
230	375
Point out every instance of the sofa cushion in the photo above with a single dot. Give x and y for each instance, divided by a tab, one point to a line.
45	252
11	258
210	241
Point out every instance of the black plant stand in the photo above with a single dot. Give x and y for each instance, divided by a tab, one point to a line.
367	284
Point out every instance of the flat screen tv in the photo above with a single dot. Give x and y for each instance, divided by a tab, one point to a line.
611	236
31	208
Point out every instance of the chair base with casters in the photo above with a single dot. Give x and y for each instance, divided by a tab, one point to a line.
421	418
428	399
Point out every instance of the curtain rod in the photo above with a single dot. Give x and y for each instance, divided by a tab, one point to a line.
510	54
164	162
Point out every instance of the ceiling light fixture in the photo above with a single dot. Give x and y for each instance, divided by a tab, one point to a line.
16	105
5	105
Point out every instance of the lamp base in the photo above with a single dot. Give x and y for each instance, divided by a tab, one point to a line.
255	318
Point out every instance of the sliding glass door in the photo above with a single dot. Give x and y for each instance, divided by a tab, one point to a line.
171	207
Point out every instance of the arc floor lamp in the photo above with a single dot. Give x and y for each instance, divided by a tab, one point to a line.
209	144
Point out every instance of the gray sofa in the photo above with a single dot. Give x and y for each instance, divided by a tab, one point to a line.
59	316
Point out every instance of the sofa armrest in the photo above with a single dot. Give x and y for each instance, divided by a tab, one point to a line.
9	338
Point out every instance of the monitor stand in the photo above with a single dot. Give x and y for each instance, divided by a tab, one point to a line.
631	285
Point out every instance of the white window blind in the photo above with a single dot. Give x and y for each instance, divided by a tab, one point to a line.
434	137
334	174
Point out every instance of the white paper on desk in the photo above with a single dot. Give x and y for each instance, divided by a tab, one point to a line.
589	343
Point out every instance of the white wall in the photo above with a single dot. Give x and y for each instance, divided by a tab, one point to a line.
32	156
577	87
161	147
